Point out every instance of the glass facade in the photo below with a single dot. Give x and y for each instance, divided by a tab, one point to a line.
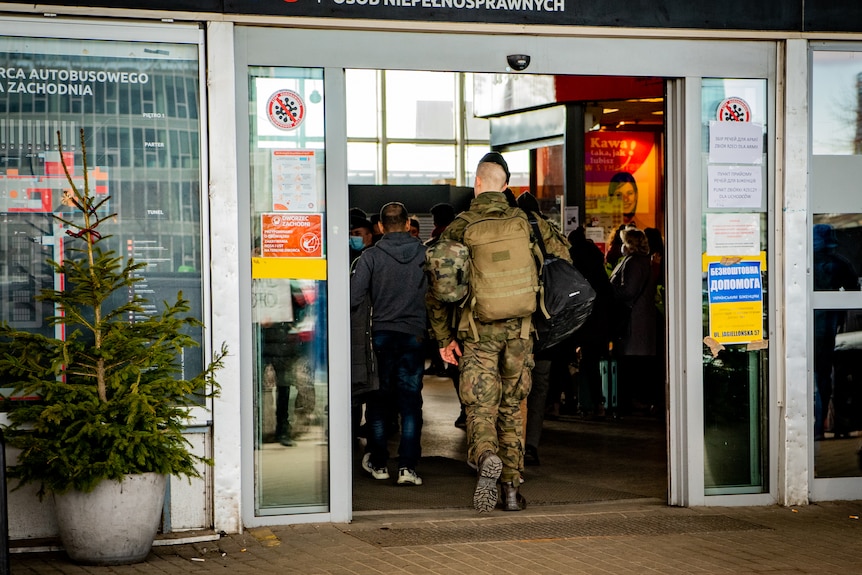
415	127
735	286
137	106
289	290
836	261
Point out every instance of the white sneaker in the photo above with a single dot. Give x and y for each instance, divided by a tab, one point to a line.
376	473
407	476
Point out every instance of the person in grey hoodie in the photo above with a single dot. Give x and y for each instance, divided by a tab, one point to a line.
392	273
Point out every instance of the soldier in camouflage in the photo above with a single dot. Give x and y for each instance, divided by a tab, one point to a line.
495	363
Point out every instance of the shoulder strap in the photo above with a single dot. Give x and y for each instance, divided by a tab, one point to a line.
535	225
541	243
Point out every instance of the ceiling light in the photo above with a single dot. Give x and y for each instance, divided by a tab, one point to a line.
610	110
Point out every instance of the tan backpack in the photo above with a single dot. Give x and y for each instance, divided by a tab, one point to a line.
504	280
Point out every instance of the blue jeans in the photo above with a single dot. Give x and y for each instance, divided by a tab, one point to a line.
401	363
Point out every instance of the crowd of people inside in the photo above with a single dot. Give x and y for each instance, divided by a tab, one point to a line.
400	333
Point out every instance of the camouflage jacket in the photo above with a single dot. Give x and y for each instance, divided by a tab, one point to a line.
445	319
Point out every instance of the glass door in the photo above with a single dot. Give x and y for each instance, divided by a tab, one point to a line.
836	267
324	50
288	267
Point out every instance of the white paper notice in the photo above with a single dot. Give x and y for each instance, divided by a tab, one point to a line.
570	222
733	234
294	181
596	234
735	143
735	186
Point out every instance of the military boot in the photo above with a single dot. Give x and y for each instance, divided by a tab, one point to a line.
489	467
511	497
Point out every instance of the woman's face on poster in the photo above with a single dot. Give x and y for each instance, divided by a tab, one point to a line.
629	196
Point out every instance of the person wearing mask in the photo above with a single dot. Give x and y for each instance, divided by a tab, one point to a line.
363	372
361	234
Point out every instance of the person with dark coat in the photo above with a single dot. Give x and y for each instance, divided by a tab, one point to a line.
361	234
363	372
545	360
392	274
634	345
659	378
595	335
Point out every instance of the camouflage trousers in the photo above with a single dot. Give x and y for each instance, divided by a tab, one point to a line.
495	378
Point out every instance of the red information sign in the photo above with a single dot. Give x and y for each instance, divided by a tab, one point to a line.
291	235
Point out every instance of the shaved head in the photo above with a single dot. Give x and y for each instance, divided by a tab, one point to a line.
490	177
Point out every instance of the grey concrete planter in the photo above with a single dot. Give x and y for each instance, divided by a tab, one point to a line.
114	524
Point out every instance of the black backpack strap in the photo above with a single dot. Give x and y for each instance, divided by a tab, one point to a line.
531	217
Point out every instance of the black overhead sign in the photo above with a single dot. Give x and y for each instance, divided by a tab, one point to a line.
774	15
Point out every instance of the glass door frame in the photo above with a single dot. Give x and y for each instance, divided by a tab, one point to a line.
833	173
670	58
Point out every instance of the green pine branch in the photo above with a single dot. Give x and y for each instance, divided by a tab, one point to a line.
110	397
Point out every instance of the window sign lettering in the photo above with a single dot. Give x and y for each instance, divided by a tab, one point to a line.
138	107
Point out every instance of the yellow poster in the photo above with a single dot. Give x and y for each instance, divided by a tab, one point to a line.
735	302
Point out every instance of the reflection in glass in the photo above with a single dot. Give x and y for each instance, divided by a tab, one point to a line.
735	373
289	296
732	421
835	93
836	261
837	249
142	113
837	392
291	393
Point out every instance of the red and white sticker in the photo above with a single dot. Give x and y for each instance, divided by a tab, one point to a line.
285	109
733	110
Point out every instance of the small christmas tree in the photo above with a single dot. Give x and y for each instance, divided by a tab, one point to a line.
110	400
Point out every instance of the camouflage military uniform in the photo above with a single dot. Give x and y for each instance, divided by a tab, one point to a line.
495	367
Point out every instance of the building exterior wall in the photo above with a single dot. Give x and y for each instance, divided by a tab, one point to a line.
218	500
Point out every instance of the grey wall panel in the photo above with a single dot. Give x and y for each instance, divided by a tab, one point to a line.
835	183
474	52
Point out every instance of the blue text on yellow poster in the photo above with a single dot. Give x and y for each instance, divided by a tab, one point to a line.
735	302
